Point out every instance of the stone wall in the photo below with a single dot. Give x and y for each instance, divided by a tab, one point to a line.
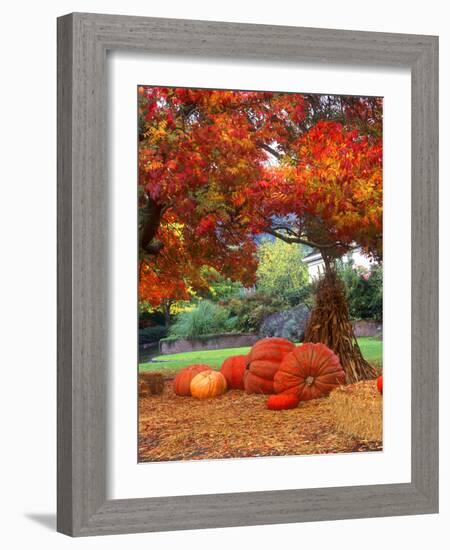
367	328
200	343
220	341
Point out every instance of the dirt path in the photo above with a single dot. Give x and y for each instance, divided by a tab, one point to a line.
237	425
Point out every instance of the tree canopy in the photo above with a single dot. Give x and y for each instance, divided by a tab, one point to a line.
281	272
218	168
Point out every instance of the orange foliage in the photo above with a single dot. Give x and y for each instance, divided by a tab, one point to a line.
224	166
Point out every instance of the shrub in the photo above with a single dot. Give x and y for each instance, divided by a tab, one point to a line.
206	318
364	289
220	287
300	296
289	330
149	335
251	309
149	316
290	323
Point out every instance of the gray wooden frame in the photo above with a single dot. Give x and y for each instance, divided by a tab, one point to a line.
83	40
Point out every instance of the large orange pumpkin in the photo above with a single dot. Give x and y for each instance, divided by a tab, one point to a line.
233	369
208	383
308	372
263	362
182	382
282	401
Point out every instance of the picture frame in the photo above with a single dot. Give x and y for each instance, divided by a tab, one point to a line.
84	39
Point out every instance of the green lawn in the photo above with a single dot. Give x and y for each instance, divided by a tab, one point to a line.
371	348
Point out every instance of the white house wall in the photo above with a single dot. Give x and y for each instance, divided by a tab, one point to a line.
316	265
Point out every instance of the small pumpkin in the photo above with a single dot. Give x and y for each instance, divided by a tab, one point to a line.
282	401
380	384
308	372
209	383
263	362
182	382
233	369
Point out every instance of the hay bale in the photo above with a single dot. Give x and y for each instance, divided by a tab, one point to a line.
150	383
357	410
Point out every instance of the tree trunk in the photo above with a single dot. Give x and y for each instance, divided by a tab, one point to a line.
166	309
152	218
330	324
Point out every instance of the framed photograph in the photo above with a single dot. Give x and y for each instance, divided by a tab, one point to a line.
247	274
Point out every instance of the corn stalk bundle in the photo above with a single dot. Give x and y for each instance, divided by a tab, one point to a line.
330	324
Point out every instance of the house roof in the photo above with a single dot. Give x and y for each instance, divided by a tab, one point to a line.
312	256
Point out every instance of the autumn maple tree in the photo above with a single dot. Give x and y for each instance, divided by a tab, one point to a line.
327	194
217	168
195	157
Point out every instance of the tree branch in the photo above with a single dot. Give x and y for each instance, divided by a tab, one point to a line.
270	150
300	240
286	228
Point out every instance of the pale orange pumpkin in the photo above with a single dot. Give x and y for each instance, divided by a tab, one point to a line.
182	382
209	383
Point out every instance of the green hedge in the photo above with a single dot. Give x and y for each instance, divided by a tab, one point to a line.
150	335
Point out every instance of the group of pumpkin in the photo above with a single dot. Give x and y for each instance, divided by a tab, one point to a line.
273	366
